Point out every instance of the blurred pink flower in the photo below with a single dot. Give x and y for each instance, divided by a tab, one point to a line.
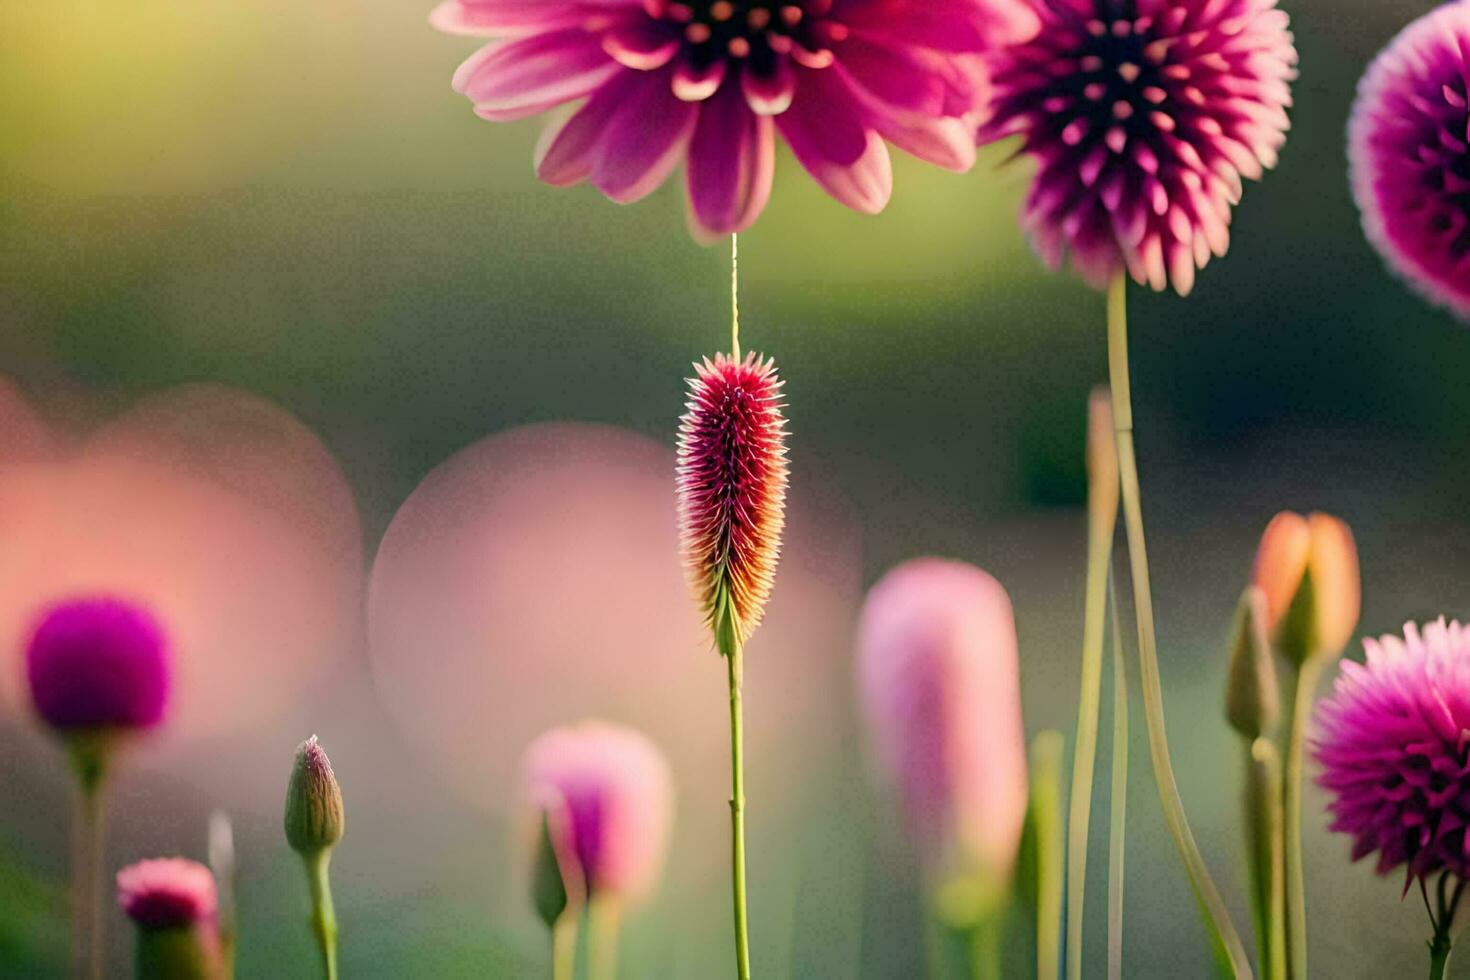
1391	743
1143	119
1409	155
711	83
98	663
609	797
732	491
940	685
165	893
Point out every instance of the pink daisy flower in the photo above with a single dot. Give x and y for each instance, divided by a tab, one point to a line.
1144	118
712	82
167	893
1409	155
1391	743
732	491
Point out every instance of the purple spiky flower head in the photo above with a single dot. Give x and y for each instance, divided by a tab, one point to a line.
1409	155
164	893
1144	117
98	663
1391	744
713	83
607	797
731	483
939	681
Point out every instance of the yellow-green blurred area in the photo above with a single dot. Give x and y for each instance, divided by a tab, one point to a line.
288	198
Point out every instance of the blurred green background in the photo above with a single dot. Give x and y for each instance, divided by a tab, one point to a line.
288	198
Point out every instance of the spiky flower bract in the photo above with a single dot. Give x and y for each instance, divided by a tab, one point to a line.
1391	744
712	83
1409	155
732	491
1144	117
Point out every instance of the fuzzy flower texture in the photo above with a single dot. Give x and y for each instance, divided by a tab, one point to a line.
1144	117
1392	744
1409	155
98	663
712	82
732	492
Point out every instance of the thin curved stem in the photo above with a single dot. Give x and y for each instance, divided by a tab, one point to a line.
737	812
1118	795
323	915
1296	883
1216	916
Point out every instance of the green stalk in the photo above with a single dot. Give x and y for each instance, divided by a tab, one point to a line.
985	944
88	752
1046	821
1263	817
735	659
1102	518
1226	940
323	916
1439	957
1307	676
1118	795
604	919
564	946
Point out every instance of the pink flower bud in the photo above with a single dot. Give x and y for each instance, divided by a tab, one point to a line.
1308	569
172	901
940	684
604	795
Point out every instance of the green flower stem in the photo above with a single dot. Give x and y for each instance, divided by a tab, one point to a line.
86	882
1439	957
1227	942
323	916
1307	676
1265	853
604	918
564	946
985	945
1046	817
1118	795
1102	519
735	660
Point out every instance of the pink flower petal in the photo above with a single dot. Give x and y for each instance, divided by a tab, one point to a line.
534	72
731	162
643	44
645	139
826	130
517	18
944	25
695	83
567	152
894	74
770	93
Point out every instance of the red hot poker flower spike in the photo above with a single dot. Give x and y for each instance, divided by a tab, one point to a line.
732	491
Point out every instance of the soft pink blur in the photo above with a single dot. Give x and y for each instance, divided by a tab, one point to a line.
534	579
940	682
216	509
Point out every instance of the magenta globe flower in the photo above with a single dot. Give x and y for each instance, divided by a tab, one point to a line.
98	663
712	83
1409	155
939	681
1143	118
609	795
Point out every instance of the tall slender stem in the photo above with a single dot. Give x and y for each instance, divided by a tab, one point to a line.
1296	886
1046	823
1264	822
1118	794
604	919
1439	957
735	296
88	944
1102	518
1216	916
564	946
323	916
735	660
985	943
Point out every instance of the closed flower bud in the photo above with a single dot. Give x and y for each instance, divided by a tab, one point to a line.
314	815
556	877
1308	569
172	902
1252	699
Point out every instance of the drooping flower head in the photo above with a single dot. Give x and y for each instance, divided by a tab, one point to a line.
98	663
1307	568
940	686
167	892
604	794
1391	744
1409	155
732	491
172	902
1144	117
711	83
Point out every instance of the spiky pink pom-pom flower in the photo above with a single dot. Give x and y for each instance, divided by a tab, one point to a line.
1409	155
939	681
1143	117
1391	743
166	893
732	491
712	82
607	796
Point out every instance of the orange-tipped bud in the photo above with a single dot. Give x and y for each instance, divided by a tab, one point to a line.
1308	569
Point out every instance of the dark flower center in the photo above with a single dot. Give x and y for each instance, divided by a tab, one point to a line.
1120	77
758	31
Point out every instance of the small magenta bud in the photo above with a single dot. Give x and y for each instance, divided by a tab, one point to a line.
1252	698
173	904
1308	569
314	815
